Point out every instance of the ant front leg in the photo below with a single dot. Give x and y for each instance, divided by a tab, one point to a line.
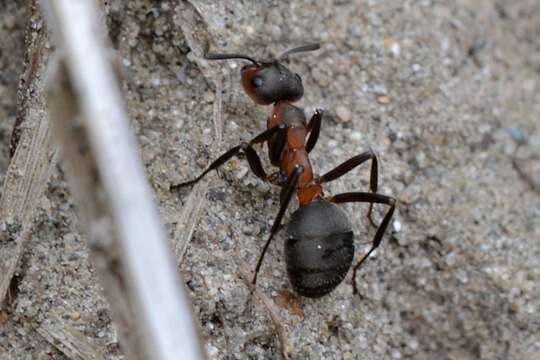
371	198
252	158
314	128
349	165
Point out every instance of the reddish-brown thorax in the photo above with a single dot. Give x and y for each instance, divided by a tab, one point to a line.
294	152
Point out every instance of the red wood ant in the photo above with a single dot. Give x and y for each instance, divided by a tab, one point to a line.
319	249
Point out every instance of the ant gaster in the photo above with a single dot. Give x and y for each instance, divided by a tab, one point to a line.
319	249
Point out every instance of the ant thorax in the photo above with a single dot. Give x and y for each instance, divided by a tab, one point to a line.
286	114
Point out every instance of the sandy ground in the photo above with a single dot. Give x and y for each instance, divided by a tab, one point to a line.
439	90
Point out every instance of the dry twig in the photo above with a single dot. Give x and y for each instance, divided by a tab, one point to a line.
67	340
30	166
108	180
278	324
199	39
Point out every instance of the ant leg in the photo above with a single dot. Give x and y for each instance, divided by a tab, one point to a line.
276	145
314	128
372	199
350	164
285	198
252	157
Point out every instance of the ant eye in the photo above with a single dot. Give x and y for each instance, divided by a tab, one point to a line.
257	81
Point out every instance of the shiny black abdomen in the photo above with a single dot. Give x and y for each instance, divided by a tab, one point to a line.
319	249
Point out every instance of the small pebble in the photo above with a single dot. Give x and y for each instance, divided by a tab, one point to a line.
421	159
132	42
393	46
395	49
383	99
410	195
250	230
212	350
517	135
201	161
207	136
355	136
413	344
242	171
388	43
397	225
331	144
75	315
343	113
462	277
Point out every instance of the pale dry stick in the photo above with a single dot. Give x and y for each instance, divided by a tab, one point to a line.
25	181
187	220
36	53
154	289
285	347
87	190
189	17
30	166
69	341
217	113
191	211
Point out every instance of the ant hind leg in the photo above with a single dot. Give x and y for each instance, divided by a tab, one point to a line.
349	165
285	198
371	198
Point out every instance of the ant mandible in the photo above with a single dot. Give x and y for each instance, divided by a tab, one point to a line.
319	249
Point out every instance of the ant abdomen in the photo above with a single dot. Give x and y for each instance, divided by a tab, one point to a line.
319	248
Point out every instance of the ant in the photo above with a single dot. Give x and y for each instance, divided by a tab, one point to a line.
319	249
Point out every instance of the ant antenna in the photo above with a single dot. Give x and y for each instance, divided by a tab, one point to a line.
299	49
212	56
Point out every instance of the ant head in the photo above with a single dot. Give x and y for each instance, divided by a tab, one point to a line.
268	82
